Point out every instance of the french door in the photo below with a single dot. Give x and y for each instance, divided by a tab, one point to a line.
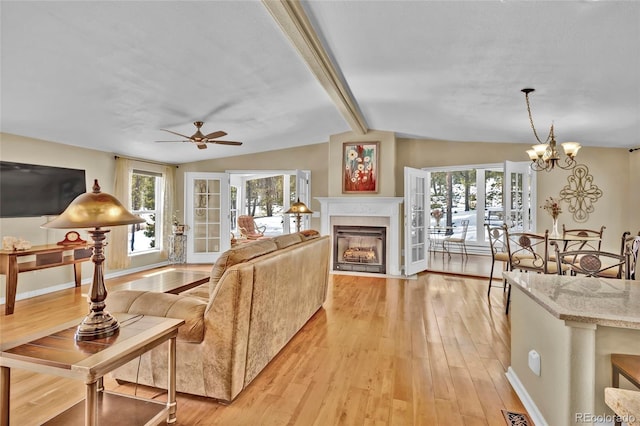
416	188
520	196
303	193
207	216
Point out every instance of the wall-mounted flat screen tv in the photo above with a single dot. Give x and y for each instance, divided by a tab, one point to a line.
30	190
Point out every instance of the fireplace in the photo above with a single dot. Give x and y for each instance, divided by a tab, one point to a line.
360	248
367	212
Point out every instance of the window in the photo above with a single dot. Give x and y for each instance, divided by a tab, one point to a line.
146	201
473	193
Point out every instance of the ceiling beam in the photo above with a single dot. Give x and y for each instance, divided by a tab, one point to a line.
295	24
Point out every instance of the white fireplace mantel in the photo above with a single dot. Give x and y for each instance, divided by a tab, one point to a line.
387	207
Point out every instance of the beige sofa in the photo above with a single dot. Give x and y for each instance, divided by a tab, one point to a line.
259	296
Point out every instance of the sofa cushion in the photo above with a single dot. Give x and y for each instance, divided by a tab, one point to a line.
309	234
190	309
286	240
238	254
201	291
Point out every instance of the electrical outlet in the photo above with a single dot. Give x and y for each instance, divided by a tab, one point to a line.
534	362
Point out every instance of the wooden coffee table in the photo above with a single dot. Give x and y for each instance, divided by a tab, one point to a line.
166	281
56	352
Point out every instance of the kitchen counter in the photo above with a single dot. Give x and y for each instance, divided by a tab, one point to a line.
601	301
563	332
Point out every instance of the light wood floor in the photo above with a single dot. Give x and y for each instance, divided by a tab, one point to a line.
429	351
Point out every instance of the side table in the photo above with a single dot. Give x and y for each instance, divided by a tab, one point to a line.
56	352
178	248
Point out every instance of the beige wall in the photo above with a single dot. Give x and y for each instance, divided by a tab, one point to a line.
386	162
610	168
98	165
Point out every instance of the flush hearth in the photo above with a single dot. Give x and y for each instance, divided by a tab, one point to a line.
359	249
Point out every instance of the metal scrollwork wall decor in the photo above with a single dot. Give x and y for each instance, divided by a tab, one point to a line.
581	193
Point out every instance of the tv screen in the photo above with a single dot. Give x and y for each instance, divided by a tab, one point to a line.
29	190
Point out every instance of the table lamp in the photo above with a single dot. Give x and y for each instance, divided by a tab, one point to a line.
95	210
298	209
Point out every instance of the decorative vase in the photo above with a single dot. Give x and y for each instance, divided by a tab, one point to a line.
554	231
438	221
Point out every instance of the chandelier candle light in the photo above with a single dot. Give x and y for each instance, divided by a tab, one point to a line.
95	210
544	155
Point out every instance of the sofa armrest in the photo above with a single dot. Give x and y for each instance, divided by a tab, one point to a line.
190	309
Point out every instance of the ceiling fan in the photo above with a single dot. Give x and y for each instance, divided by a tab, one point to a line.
201	140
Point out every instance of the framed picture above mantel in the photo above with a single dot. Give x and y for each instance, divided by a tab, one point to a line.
360	167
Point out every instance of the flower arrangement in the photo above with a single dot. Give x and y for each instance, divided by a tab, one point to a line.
437	214
552	206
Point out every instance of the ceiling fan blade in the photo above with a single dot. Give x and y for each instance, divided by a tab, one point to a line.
215	135
172	141
175	133
227	143
202	146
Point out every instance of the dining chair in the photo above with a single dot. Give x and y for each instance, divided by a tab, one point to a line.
582	245
457	239
499	251
529	252
592	263
631	243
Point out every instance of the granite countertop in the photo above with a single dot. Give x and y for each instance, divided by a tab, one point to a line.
601	301
625	403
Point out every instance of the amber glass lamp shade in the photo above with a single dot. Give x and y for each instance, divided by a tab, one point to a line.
95	210
298	208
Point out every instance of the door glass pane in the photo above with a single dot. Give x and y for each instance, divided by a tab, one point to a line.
516	201
494	209
417	218
206	215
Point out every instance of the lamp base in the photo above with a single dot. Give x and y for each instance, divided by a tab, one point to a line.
97	325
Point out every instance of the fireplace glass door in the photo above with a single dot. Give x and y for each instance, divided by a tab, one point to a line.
360	249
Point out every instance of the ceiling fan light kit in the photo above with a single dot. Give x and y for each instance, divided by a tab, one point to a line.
200	139
545	155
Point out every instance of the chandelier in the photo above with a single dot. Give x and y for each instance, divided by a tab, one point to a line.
545	155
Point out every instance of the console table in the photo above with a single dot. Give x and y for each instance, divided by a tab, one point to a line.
45	256
56	352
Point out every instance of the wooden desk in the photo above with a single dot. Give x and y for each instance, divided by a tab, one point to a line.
46	256
56	352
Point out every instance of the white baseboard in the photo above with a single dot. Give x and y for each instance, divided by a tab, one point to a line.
71	284
532	409
534	413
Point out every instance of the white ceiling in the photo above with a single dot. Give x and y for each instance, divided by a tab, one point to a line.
109	74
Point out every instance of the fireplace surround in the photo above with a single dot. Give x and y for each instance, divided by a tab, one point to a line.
366	211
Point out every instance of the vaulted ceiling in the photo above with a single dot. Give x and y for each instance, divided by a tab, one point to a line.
109	75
